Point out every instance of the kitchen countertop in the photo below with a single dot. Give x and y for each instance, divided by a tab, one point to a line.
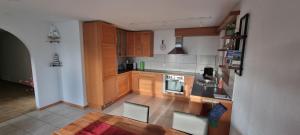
199	90
161	71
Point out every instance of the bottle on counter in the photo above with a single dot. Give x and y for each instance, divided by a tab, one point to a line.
134	66
142	65
220	83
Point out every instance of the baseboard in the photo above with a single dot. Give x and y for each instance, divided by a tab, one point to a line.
74	105
47	106
64	102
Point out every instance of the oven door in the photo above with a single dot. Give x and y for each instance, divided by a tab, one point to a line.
174	86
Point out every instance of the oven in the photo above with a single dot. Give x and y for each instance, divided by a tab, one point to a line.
174	84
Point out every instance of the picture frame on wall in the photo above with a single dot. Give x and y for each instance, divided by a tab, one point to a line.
243	32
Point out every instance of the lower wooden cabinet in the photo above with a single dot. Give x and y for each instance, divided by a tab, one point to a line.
146	83
123	83
188	85
110	89
135	81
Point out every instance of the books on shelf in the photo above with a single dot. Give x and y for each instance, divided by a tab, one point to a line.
233	58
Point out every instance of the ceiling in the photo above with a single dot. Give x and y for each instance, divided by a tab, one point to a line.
129	14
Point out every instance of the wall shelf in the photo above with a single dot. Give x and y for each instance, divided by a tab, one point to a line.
233	37
230	18
232	51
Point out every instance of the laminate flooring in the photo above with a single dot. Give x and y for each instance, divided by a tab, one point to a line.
15	100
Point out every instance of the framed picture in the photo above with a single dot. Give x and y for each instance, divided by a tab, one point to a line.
243	31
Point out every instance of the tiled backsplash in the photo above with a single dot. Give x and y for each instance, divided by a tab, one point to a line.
186	63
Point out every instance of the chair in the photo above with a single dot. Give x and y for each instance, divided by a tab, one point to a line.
136	111
189	123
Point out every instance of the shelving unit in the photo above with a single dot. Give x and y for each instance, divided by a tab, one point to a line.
232	51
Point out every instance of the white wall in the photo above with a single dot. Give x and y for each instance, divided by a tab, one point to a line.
202	52
15	59
33	34
266	97
71	55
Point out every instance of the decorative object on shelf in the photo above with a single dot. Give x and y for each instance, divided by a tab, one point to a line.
163	45
230	29
242	41
56	62
53	35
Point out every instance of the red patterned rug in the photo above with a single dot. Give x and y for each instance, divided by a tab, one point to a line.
101	128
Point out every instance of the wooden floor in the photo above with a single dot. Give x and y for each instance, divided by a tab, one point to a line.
14	100
161	110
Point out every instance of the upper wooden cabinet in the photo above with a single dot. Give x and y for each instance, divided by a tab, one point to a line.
108	34
147	43
121	43
100	62
140	44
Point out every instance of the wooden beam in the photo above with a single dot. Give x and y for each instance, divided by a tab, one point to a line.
197	31
231	17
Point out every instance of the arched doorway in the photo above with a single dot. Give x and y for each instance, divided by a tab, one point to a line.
17	95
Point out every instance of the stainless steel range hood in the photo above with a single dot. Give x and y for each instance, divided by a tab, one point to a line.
178	47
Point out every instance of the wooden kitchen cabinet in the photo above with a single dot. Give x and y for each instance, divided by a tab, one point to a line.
159	85
110	59
223	127
110	90
123	83
100	63
140	44
147	43
135	81
122	43
130	43
109	34
146	83
188	85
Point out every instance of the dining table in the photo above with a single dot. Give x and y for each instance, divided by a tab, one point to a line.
96	123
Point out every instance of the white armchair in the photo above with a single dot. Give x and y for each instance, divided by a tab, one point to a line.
136	111
189	123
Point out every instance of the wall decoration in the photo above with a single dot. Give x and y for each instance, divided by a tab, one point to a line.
56	62
243	33
53	35
163	45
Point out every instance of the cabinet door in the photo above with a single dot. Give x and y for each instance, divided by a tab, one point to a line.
121	43
147	84
147	43
159	83
123	84
130	43
109	89
109	60
109	34
138	46
188	85
134	81
92	63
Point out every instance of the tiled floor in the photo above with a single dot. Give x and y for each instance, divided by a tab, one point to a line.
42	122
46	121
